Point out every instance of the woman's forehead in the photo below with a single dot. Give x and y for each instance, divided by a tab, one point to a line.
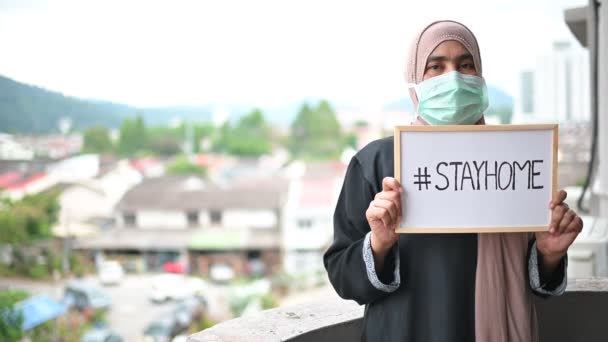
449	49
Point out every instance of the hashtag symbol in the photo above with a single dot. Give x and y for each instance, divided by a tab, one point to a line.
419	180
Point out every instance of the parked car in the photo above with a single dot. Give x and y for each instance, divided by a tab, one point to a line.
85	296
162	329
101	334
189	310
175	286
174	267
111	273
221	273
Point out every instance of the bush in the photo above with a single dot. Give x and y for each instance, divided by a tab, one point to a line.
98	316
238	304
204	323
182	166
269	301
76	266
37	271
11	320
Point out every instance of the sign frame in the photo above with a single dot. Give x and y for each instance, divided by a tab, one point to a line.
399	130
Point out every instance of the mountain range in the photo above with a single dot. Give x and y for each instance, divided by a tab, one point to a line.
26	108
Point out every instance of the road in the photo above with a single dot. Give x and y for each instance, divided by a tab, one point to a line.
131	310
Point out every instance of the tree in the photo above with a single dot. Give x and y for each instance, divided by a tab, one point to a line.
97	140
164	140
132	136
300	132
201	131
250	137
29	219
168	141
11	320
140	129
350	140
220	139
316	134
165	146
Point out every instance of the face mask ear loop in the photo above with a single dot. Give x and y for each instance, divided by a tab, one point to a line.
410	86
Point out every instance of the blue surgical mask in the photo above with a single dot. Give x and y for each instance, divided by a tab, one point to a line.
452	99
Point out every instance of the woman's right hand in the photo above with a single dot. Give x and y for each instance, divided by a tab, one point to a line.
384	216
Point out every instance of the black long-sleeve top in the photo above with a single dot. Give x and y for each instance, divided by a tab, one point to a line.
426	291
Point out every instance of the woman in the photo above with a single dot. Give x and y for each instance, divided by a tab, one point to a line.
440	287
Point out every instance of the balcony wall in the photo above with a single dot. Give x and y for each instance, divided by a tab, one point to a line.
578	315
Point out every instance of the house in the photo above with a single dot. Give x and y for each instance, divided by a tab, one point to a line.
199	223
148	166
54	146
21	178
13	150
25	184
101	194
308	215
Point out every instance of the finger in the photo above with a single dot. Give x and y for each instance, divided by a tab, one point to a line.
392	196
566	220
558	198
388	205
556	215
372	212
390	183
576	226
381	214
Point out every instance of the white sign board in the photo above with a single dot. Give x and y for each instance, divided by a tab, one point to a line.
476	178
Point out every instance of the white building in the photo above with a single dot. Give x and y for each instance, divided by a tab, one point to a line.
308	215
88	200
13	150
557	89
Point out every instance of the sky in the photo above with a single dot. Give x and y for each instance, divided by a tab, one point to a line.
259	53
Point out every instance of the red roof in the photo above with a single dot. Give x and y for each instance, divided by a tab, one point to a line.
144	163
25	182
9	178
209	160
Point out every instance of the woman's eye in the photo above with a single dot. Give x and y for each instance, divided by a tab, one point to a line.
467	66
434	67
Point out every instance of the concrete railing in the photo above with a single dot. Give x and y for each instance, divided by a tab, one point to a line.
579	315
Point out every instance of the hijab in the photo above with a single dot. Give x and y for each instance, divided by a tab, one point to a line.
504	308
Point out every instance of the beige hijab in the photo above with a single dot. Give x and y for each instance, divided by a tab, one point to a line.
504	310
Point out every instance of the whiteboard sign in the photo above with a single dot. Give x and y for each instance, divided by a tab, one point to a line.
460	179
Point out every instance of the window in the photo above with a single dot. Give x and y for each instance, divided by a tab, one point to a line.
304	223
216	217
129	219
192	217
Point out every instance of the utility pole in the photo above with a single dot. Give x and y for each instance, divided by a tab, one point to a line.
602	152
66	244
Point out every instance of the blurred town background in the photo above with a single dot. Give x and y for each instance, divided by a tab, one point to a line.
140	206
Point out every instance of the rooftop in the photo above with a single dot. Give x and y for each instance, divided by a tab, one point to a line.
192	193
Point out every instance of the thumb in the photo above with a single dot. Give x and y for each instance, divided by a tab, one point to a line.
390	184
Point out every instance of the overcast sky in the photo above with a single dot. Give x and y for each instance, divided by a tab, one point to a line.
264	53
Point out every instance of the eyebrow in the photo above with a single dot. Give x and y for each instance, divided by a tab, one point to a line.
459	58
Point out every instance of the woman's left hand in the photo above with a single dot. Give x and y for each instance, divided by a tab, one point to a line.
563	229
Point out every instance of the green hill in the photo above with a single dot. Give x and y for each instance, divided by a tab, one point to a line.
26	108
29	109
